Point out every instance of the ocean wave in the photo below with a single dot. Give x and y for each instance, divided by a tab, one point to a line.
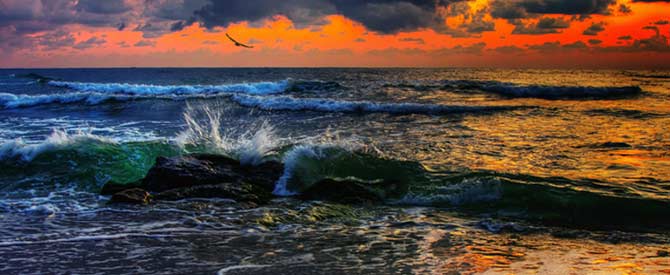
10	101
58	139
257	88
545	91
289	103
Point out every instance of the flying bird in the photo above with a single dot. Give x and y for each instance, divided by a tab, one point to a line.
238	44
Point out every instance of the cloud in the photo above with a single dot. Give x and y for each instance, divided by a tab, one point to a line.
91	42
544	25
413	40
145	43
595	41
517	9
103	7
594	29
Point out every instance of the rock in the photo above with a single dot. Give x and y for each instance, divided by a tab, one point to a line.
111	188
238	191
662	253
204	169
349	191
132	196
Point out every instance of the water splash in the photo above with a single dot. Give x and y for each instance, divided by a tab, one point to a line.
203	129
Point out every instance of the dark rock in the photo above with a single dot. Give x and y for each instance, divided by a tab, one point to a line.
240	192
348	191
111	188
133	196
203	169
662	253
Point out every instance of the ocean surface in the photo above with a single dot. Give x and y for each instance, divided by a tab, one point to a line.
507	171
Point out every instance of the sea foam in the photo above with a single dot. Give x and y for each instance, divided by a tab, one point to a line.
97	93
59	138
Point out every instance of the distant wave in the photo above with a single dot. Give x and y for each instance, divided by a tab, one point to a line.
10	101
258	88
97	93
289	103
545	91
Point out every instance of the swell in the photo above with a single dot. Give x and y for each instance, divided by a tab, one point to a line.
289	103
90	161
77	159
545	91
548	200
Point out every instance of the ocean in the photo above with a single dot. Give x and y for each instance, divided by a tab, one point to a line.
502	170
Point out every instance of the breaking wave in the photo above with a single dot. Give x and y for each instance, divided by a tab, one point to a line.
289	103
258	88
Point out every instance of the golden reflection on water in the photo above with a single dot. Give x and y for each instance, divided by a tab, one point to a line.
562	139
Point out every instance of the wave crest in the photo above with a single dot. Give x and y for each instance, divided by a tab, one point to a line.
258	88
288	103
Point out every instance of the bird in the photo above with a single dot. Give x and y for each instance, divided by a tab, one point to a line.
238	44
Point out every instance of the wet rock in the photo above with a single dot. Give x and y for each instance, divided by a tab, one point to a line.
204	169
111	187
132	196
238	191
348	191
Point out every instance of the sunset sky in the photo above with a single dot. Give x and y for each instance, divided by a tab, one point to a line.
342	33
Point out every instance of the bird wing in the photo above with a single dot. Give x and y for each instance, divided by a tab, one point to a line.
238	43
231	39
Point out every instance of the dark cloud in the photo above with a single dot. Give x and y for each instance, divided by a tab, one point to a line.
103	7
567	6
89	43
384	16
594	29
595	41
544	25
517	9
625	9
625	37
662	22
145	43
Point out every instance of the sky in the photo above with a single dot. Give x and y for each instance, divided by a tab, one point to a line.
616	34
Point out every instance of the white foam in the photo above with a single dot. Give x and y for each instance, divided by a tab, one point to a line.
48	210
257	88
19	149
203	128
238	267
97	93
272	103
469	190
85	238
314	149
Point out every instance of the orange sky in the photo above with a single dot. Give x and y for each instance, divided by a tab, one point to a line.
343	42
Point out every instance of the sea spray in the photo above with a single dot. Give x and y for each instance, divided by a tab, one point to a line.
203	130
